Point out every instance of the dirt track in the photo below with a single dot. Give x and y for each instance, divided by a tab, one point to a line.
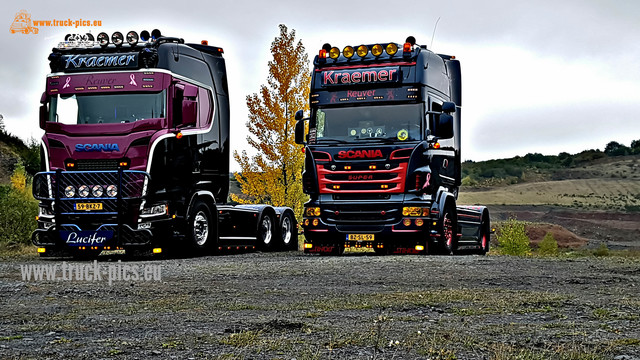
287	305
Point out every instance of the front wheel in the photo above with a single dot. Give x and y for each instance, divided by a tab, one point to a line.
200	226
448	229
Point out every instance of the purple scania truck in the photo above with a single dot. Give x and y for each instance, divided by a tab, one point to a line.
135	154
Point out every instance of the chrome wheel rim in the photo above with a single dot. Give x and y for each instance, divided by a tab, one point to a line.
200	228
265	226
448	230
286	230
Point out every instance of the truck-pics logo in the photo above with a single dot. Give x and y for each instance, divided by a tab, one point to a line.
97	147
360	76
360	154
22	23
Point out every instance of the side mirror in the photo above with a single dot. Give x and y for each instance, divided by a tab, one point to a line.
445	126
448	107
299	134
299	115
44	116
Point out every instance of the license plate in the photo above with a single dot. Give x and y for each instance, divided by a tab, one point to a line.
360	237
88	206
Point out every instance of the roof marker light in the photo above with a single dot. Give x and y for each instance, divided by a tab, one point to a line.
376	50
362	50
334	53
117	38
348	52
132	38
204	42
406	48
103	39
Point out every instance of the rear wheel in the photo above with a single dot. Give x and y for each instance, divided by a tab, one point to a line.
200	226
288	237
265	232
485	237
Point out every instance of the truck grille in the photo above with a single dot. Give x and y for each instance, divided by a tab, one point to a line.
97	164
361	214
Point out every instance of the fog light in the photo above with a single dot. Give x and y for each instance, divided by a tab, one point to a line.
308	246
42	250
157	250
419	247
112	191
419	222
315	222
406	222
306	222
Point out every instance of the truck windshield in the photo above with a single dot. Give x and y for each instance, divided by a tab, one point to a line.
380	122
106	108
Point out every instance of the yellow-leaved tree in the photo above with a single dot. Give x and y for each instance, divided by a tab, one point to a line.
273	175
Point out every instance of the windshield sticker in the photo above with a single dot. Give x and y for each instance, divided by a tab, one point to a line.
403	135
320	123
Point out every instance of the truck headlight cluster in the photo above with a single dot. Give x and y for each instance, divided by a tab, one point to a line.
312	211
155	210
95	190
415	211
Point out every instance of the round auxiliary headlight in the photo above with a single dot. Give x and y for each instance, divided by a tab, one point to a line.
376	50
132	38
103	39
83	191
348	52
392	49
97	191
69	191
362	50
112	191
334	53
117	38
144	35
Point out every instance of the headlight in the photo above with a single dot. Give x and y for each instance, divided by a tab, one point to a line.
83	191
112	191
155	210
69	191
97	191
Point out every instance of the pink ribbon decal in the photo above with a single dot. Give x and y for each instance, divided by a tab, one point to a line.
426	183
67	81
133	80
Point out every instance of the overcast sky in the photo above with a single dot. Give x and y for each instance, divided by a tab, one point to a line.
538	76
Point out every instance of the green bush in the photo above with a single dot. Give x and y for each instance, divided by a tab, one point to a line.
18	210
512	238
548	246
602	250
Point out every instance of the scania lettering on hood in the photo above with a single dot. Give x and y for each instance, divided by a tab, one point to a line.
97	147
360	154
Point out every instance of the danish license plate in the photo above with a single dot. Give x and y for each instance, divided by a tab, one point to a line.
88	206
360	237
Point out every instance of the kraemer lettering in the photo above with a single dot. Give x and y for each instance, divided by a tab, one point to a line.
100	61
361	76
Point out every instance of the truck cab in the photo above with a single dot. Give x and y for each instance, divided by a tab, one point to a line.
382	164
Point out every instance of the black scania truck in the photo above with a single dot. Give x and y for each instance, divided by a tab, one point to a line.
382	163
135	154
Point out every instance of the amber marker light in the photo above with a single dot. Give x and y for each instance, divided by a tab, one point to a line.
179	135
42	250
308	246
419	247
157	250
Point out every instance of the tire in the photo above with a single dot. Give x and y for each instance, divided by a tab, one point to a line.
447	229
485	238
200	227
265	233
288	233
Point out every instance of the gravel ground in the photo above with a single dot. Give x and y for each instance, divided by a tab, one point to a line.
358	306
